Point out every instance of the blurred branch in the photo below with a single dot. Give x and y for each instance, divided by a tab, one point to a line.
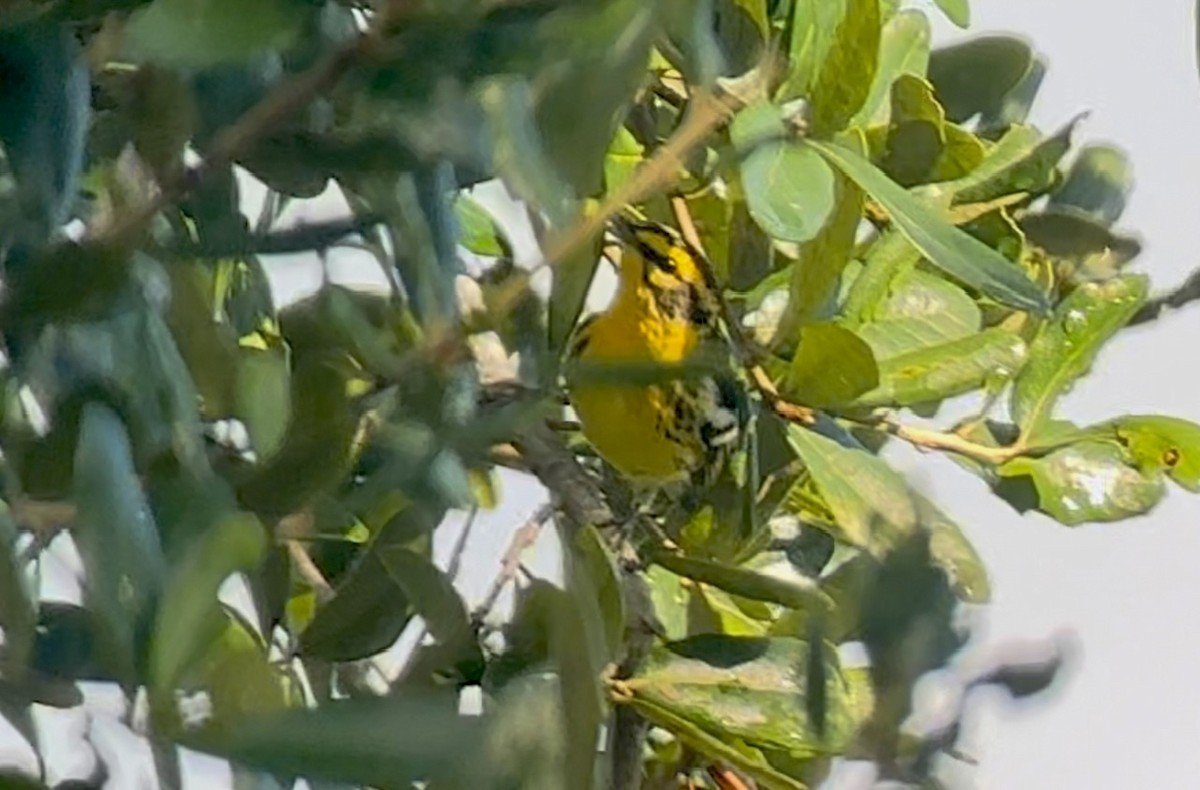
307	237
523	537
288	99
1153	309
309	571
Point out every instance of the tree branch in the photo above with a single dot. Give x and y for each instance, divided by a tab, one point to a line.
523	537
306	237
1184	295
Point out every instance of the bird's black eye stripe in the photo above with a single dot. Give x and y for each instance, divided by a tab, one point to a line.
655	257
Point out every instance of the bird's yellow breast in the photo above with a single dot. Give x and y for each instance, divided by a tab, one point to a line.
628	424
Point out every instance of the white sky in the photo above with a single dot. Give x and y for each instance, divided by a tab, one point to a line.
1128	714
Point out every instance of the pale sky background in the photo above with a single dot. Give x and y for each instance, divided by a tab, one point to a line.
1126	714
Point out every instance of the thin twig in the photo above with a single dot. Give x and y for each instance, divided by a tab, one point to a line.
305	237
460	544
309	571
1174	299
524	537
280	104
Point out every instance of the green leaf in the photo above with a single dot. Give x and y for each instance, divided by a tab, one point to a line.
813	27
903	49
748	760
1066	233
713	611
369	608
571	280
625	155
750	584
957	11
571	648
1068	343
478	231
599	580
386	742
235	543
262	400
869	501
954	554
1022	161
238	675
922	310
429	593
789	190
752	689
45	111
520	156
916	133
1153	444
670	598
889	256
604	49
116	536
977	76
831	367
197	33
822	259
1089	481
316	450
1097	184
945	246
17	615
942	371
847	69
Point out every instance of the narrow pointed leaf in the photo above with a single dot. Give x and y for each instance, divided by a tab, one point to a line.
868	500
946	247
1068	343
942	371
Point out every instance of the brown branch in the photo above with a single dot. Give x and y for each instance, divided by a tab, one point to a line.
523	538
1174	299
283	102
309	571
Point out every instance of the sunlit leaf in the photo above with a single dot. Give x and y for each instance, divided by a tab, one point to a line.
745	583
844	79
1068	343
1089	481
945	246
921	310
747	688
869	501
822	259
189	605
903	49
1022	161
789	188
478	230
957	11
832	366
942	371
